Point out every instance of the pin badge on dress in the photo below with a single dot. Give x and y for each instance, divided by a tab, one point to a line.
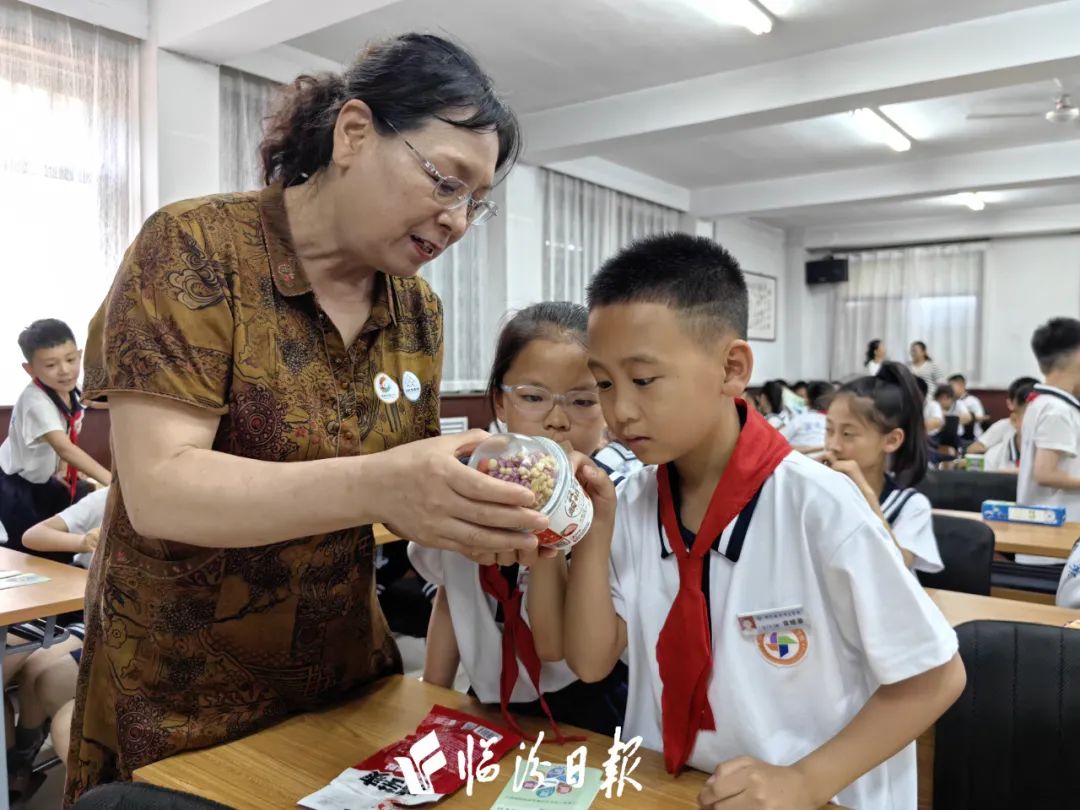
410	386
386	389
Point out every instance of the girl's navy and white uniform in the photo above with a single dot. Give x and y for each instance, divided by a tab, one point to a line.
809	541
617	461
478	629
909	514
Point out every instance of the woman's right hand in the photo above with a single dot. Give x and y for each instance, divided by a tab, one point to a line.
433	499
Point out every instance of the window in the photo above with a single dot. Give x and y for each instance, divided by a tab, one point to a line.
584	224
932	294
69	167
245	103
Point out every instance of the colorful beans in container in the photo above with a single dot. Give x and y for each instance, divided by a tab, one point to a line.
542	466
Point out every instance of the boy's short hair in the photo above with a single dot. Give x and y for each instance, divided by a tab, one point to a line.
1020	389
1054	341
44	334
944	391
958	378
691	274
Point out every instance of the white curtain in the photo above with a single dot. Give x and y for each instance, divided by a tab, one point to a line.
458	277
69	169
932	294
584	224
245	103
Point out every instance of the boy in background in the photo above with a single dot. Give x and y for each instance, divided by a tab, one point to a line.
972	404
1000	442
1050	435
44	432
730	530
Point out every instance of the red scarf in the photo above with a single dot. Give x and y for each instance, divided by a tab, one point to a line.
684	648
71	417
517	642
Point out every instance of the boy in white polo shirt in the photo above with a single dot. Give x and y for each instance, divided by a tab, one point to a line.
44	431
774	636
1050	434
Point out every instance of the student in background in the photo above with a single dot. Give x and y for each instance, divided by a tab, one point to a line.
771	404
875	356
972	404
805	432
800	389
1050	434
47	677
1000	443
876	438
933	414
922	365
728	525
44	431
540	385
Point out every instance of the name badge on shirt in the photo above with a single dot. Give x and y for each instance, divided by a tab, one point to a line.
770	621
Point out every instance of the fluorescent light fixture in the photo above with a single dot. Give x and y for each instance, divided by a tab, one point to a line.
746	13
878	128
972	199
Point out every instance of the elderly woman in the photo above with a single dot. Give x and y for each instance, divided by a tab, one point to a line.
272	362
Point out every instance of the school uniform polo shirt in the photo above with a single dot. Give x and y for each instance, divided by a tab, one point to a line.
1051	422
806	429
808	541
975	407
909	514
24	452
1004	454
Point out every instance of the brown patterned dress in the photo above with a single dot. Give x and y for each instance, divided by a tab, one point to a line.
189	647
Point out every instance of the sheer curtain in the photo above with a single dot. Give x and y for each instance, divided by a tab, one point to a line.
932	294
584	224
458	277
69	168
245	103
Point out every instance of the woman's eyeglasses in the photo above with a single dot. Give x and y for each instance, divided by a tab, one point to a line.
450	192
538	401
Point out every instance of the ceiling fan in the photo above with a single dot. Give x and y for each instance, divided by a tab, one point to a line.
1063	111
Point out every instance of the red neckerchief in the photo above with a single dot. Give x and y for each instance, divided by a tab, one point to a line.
71	418
517	642
684	648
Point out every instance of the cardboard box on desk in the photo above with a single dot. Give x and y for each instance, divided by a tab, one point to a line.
1016	513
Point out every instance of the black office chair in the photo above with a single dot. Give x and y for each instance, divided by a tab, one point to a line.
965	490
967	549
132	796
1013	738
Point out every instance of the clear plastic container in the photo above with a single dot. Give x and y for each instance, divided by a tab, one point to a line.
541	465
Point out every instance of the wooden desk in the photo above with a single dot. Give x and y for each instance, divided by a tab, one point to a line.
1025	538
62	593
960	608
383	535
277	767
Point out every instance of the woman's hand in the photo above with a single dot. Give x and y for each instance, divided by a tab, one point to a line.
435	500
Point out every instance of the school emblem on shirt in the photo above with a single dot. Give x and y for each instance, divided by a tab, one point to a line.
784	648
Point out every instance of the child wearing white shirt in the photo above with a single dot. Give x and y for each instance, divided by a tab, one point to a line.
1050	434
774	636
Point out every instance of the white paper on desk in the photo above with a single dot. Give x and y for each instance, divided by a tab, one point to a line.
359	790
18	580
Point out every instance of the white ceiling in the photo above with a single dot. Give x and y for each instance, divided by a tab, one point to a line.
558	52
661	101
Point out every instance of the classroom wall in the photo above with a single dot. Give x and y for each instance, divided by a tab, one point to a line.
188	129
1026	281
761	249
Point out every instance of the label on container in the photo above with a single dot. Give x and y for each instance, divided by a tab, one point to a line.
570	520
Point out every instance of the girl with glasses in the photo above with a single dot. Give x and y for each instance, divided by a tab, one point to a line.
540	385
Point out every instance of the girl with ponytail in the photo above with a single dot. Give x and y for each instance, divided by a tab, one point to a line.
875	435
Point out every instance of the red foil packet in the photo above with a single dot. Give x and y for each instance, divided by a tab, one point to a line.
422	768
